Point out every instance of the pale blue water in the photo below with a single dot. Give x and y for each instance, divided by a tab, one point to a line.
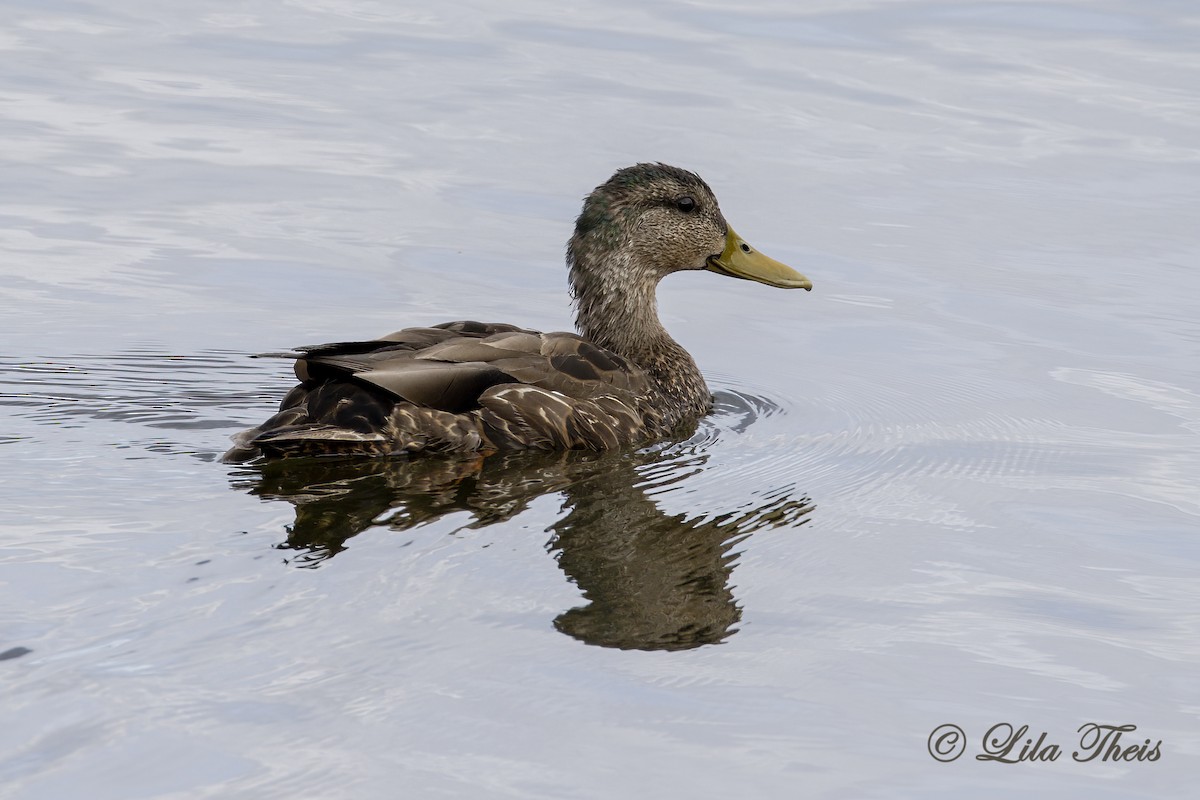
956	483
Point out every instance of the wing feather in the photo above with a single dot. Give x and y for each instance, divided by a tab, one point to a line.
459	386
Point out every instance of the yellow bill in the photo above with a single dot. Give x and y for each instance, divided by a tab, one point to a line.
740	260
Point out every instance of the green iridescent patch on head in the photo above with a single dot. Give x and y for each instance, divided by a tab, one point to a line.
597	220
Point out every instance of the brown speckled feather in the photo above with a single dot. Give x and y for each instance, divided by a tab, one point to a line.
458	387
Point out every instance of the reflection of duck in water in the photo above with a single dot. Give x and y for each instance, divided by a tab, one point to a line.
653	581
473	387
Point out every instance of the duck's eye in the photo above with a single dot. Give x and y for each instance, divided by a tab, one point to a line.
686	204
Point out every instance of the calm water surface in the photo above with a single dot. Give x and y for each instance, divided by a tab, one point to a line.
956	483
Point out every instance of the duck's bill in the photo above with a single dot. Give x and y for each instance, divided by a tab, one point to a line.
740	260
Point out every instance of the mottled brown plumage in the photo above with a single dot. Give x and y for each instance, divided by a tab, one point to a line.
464	387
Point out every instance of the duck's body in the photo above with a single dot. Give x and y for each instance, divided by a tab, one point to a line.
463	387
466	387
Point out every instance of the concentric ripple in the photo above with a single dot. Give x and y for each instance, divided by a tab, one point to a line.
866	452
875	453
147	388
853	446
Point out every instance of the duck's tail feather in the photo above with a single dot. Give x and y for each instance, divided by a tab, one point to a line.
313	439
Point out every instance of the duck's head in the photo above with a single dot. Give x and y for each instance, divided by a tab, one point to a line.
650	220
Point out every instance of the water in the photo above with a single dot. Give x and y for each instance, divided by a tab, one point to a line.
956	483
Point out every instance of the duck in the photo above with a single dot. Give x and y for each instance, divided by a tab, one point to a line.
474	388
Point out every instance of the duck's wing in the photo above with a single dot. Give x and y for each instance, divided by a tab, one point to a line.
569	395
461	386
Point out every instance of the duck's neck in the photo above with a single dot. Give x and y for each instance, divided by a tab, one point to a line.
616	308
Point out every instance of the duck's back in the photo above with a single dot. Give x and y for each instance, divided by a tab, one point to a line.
456	387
